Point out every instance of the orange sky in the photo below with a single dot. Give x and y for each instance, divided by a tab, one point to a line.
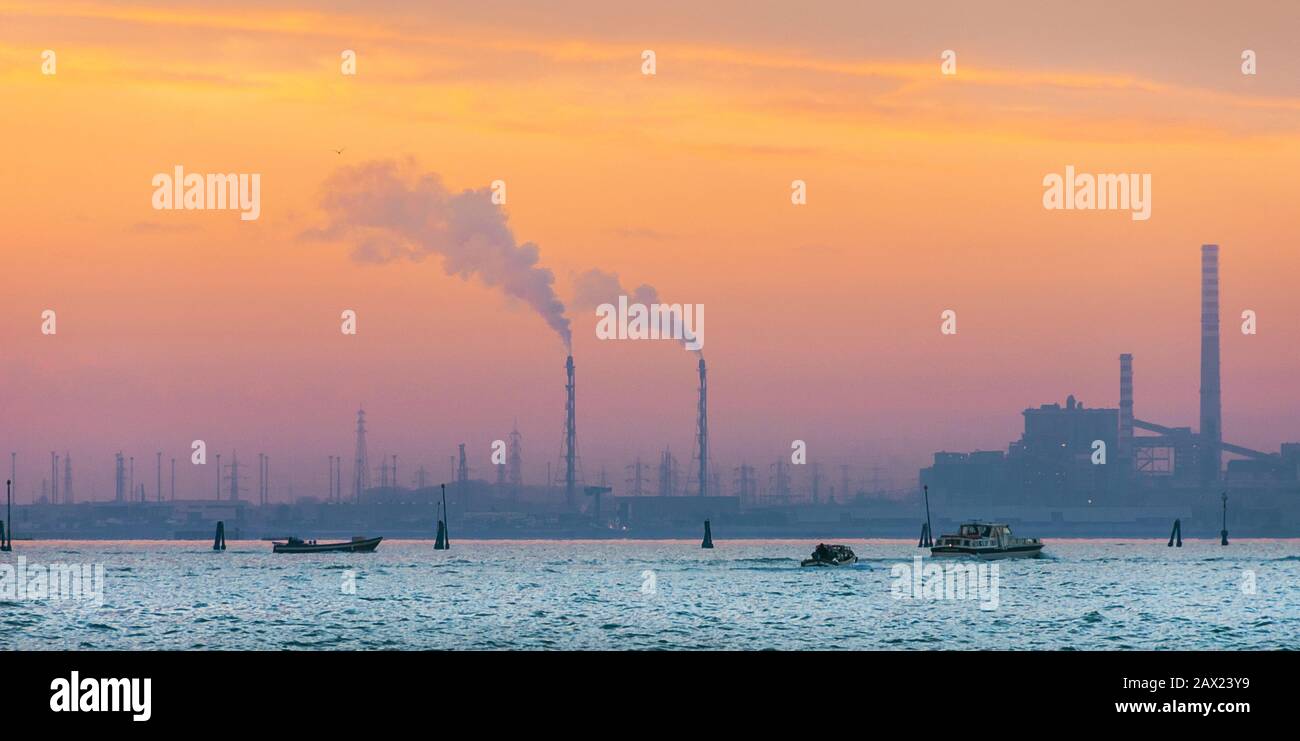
822	320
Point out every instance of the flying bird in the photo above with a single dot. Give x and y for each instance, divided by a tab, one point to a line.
339	151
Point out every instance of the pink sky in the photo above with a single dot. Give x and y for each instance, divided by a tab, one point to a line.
822	320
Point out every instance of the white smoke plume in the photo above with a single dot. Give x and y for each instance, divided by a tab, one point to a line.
392	211
595	287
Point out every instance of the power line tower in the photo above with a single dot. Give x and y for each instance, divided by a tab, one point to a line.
234	477
667	474
746	484
778	487
462	465
637	482
119	479
361	461
516	460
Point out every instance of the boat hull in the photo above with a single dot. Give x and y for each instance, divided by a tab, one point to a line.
354	546
815	562
987	554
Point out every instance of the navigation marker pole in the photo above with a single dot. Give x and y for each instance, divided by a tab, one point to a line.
1223	534
927	533
7	537
446	531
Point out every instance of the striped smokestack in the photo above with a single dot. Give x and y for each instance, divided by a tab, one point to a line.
570	438
1126	406
1211	436
702	431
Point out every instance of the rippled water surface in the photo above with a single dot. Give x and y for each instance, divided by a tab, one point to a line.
661	594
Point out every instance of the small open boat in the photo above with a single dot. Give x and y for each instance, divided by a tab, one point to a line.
358	544
830	555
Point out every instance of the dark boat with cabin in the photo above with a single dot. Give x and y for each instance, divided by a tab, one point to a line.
358	544
831	555
986	540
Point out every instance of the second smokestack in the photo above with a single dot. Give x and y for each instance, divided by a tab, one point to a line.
1211	434
1126	406
570	439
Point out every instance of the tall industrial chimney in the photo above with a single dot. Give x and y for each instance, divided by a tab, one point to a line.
67	478
702	431
570	440
1211	434
119	479
1126	406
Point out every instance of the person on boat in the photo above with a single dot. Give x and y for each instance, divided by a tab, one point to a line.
823	553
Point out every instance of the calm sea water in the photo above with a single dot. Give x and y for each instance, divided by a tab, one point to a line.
656	595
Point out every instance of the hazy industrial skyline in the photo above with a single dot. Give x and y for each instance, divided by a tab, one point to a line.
923	195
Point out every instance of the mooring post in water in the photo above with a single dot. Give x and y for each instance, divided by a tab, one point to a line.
1223	534
446	529
708	536
440	542
927	533
1176	535
219	542
7	537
